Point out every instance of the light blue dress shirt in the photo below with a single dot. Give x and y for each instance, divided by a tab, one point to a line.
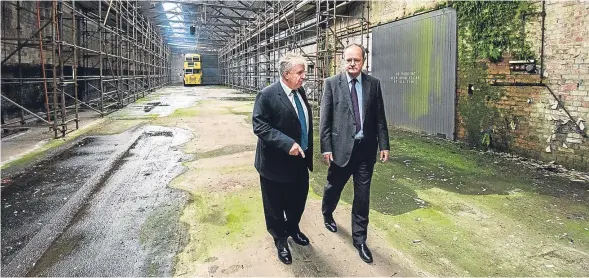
359	92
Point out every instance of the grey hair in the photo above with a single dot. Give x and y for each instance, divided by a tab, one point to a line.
288	61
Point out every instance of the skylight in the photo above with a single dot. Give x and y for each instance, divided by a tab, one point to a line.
176	24
173	11
169	6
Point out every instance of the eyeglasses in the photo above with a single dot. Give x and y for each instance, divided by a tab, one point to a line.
352	61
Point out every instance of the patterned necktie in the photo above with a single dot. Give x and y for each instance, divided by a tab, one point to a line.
301	112
355	105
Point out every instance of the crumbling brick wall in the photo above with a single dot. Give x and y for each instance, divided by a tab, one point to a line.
545	122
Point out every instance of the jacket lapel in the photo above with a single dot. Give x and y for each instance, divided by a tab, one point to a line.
343	83
284	99
366	95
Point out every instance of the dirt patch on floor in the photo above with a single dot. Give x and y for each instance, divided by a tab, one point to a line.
216	124
226	173
436	208
328	255
225	216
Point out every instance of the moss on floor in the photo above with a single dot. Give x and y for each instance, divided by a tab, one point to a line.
458	212
219	220
186	112
117	126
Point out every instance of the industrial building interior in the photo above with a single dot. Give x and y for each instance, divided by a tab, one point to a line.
114	165
61	58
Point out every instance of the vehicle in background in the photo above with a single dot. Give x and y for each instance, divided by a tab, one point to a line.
192	69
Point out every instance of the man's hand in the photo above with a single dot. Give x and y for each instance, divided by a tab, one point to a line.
328	157
384	156
296	150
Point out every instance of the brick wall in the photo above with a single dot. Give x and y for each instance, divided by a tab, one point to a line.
28	24
541	127
567	74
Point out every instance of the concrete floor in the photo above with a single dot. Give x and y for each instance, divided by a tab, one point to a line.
19	144
171	190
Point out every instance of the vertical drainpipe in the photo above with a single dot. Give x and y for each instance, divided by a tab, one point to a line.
62	82
53	64
100	57
75	65
542	44
20	78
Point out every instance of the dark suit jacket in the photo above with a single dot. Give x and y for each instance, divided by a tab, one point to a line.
337	118
277	126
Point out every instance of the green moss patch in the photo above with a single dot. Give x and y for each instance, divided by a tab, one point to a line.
458	212
219	221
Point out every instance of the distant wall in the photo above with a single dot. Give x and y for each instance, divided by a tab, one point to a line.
211	74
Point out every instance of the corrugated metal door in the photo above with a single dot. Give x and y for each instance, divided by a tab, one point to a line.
415	59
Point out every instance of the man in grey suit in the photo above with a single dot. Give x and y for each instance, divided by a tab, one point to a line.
283	122
352	126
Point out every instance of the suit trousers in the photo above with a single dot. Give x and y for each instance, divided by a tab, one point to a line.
361	166
284	204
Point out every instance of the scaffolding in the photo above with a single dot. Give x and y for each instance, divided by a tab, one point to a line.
97	56
319	30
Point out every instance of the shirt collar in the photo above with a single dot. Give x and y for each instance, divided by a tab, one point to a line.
286	89
359	78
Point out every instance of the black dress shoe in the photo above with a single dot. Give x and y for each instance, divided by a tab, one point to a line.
330	223
364	252
283	252
300	238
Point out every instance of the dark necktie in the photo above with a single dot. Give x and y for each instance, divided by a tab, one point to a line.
355	105
301	112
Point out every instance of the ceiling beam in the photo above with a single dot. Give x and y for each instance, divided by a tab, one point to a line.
205	23
185	13
190	3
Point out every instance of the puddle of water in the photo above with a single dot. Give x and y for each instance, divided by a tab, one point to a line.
30	199
162	103
129	226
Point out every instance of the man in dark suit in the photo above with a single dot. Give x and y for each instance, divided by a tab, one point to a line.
353	125
283	122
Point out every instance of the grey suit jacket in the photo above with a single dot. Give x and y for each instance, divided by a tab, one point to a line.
337	125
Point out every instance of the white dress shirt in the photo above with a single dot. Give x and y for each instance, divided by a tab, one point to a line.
290	96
